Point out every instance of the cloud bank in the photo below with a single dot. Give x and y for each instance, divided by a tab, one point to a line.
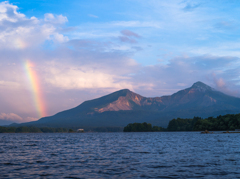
77	64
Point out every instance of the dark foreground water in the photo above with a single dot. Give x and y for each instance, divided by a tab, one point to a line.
120	155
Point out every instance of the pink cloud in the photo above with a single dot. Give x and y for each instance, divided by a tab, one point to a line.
10	117
220	83
130	33
127	39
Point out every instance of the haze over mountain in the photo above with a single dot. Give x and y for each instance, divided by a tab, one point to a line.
122	107
5	122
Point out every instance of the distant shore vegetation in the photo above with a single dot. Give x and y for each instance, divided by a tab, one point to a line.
142	127
227	122
220	123
33	129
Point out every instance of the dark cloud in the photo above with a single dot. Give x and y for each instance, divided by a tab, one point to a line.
127	39
128	36
66	29
130	33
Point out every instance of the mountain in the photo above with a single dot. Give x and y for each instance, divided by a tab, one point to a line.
123	107
5	122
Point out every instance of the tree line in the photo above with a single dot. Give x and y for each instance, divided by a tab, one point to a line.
32	129
219	123
142	127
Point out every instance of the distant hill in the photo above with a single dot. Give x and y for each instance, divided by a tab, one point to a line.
5	122
123	107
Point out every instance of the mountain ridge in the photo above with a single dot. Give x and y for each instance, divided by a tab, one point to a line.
124	106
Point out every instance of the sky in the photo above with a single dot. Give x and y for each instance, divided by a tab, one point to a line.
56	54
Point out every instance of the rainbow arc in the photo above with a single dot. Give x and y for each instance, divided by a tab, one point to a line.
36	89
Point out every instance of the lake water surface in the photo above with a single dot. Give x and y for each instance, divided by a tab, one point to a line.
120	155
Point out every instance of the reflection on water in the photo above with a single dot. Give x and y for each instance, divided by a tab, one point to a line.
120	155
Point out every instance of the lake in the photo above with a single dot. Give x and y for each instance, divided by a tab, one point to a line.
120	155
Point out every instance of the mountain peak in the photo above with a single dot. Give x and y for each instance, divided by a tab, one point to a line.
120	100
201	86
122	92
124	106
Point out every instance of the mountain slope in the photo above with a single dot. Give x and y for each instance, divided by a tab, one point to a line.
123	107
5	122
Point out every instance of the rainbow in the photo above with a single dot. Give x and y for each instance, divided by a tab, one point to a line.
35	88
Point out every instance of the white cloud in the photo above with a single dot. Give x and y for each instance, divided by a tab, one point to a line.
82	77
16	118
10	117
91	15
9	84
154	24
28	119
19	32
94	62
60	19
181	72
60	38
9	12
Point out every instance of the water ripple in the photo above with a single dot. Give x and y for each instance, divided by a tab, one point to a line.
120	155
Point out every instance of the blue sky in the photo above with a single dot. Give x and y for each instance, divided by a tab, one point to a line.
167	29
86	49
